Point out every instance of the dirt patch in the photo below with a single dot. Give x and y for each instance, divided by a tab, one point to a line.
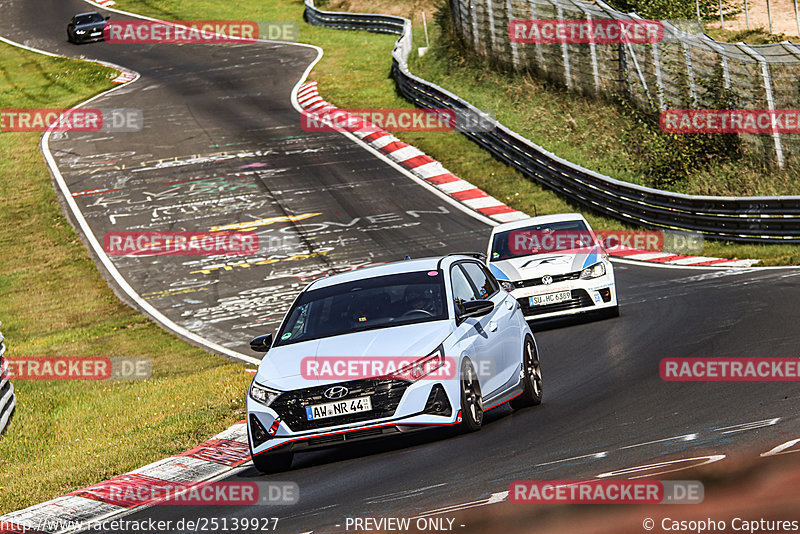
412	10
783	19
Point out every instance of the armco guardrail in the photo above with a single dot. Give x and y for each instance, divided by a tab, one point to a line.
8	401
747	219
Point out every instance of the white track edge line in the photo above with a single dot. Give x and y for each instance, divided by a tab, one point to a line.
123	284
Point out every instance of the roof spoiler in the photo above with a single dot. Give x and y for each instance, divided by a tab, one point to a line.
477	255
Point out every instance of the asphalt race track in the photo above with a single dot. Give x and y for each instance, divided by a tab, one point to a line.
222	145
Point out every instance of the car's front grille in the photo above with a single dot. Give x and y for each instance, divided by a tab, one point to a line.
580	299
556	278
385	396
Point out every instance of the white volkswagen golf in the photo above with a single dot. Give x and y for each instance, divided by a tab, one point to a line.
389	349
553	265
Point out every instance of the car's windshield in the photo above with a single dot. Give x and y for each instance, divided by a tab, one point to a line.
380	302
88	18
540	239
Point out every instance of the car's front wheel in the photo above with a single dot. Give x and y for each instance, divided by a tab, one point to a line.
471	398
531	377
273	463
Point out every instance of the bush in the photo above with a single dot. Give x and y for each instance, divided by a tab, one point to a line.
666	159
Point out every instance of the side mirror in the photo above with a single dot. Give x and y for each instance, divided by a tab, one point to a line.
261	343
108	17
476	308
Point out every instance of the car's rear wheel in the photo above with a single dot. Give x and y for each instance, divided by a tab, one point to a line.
273	463
471	398
531	377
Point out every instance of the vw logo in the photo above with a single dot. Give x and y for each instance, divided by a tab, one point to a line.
336	392
547	279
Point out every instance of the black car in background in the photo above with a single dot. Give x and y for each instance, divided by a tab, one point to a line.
86	27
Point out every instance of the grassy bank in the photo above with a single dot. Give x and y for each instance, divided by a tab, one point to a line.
54	302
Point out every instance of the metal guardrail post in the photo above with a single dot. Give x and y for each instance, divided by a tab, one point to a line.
769	16
514	50
662	105
592	48
615	15
455	12
726	70
564	49
746	14
492	38
656	68
539	56
776	136
797	17
473	11
687	55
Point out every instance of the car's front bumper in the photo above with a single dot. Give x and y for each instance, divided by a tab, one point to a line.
87	37
421	404
587	296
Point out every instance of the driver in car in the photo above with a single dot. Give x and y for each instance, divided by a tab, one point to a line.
419	299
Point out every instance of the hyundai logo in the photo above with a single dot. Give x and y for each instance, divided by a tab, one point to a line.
336	392
547	279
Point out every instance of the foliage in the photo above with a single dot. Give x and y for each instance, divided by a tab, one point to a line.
676	9
666	159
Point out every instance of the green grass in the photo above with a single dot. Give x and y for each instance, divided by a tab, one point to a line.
752	36
53	301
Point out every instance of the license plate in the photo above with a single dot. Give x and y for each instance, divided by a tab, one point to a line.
332	409
550	298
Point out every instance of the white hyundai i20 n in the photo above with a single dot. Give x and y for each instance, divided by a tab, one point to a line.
389	349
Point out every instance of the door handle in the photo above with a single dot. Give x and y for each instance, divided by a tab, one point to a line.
492	326
509	303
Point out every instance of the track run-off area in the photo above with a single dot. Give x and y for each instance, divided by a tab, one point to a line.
222	148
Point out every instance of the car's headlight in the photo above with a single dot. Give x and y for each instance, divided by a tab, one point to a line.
594	271
263	394
435	361
80	31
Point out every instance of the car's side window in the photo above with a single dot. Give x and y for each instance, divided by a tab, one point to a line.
484	284
462	290
491	278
